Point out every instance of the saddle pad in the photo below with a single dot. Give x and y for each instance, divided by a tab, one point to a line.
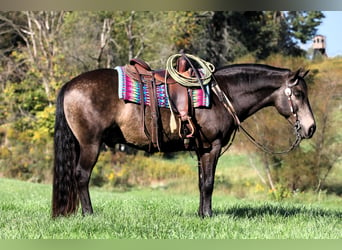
129	90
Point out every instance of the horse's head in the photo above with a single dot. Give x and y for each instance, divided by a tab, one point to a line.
292	102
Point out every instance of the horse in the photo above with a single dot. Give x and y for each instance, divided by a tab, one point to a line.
89	113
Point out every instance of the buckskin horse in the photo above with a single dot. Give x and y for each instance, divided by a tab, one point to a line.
90	113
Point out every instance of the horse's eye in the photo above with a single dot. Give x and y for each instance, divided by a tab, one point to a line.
298	94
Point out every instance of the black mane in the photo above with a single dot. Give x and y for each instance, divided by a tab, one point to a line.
251	68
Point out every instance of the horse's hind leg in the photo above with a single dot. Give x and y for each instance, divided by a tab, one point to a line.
86	162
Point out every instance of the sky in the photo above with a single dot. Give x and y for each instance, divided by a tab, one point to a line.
331	29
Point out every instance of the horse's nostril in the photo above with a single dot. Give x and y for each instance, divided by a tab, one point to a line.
312	130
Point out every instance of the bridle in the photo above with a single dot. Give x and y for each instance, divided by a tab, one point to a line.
230	108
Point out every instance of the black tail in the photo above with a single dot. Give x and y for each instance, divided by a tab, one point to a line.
64	191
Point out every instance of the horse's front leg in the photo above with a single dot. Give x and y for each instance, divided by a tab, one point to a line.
207	160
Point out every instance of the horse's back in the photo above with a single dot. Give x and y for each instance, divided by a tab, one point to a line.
95	81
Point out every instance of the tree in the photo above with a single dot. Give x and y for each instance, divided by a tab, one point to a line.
113	38
27	123
39	35
303	24
262	33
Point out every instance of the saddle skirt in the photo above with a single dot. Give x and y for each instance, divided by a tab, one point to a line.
130	91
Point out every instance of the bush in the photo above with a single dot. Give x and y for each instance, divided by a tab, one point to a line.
125	171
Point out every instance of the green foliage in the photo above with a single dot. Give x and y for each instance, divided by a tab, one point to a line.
234	34
303	24
26	132
28	124
280	193
125	171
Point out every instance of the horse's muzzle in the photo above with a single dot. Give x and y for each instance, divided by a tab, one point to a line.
307	133
310	132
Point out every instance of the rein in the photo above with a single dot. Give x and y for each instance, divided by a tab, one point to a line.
267	150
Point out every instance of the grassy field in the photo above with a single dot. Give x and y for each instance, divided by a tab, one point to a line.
164	214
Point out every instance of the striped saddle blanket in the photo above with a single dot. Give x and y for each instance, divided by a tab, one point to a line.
130	90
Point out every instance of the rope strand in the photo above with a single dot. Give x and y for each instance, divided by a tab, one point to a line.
186	81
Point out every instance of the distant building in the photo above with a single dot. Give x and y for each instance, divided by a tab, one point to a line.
319	46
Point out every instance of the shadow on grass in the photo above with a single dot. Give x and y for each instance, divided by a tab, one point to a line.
251	211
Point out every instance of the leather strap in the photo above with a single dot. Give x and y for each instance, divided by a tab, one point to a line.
151	86
142	106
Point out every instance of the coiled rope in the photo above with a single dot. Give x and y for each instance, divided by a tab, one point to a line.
206	71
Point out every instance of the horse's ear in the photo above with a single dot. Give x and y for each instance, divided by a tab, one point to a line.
294	76
305	73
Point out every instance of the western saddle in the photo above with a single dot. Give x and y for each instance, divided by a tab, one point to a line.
179	98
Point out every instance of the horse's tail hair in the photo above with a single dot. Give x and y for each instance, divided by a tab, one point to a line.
65	198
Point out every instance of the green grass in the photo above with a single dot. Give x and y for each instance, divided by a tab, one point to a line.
163	214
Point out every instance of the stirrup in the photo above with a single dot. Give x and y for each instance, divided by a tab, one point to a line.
190	125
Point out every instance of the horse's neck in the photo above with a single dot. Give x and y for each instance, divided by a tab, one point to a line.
248	98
